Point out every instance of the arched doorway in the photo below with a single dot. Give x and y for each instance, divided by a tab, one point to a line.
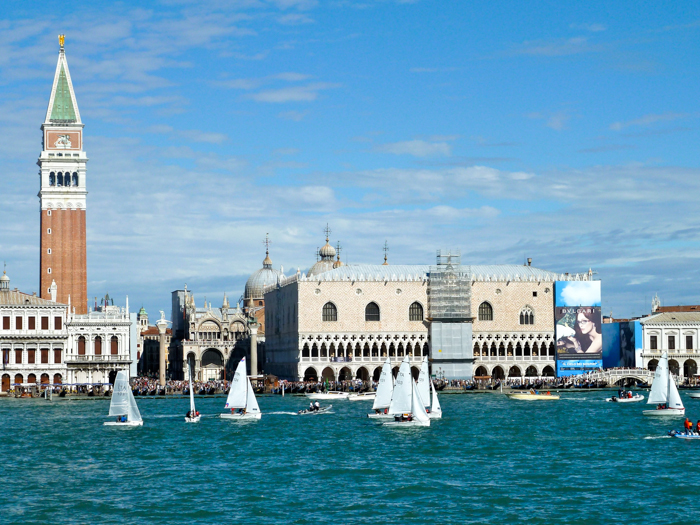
498	373
531	371
19	379
44	379
674	367
57	379
481	372
362	373
377	373
112	377
415	372
328	374
212	367
514	372
395	371
345	374
31	378
548	371
310	374
690	368
5	382
653	364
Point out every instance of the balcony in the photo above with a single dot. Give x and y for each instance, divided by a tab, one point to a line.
109	358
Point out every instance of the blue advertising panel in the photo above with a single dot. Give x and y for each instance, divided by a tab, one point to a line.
611	345
578	327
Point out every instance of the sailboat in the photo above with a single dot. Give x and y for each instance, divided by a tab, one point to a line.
192	416
425	385
123	405
406	405
384	389
664	392
241	398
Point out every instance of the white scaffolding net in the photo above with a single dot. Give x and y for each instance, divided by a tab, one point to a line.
449	290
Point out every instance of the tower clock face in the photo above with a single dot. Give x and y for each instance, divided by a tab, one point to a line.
63	140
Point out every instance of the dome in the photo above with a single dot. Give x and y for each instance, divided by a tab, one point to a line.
142	312
321	266
263	277
327	251
4	278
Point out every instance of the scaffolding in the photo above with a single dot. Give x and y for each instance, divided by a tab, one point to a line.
449	291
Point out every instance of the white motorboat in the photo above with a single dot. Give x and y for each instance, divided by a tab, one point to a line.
382	400
664	393
694	395
192	416
532	395
328	395
624	399
123	405
406	405
241	399
364	396
309	412
425	386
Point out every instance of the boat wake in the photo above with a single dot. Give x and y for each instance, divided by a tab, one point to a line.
282	413
658	437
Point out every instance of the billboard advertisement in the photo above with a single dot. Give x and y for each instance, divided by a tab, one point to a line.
578	327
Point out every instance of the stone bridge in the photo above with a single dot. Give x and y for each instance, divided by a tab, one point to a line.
614	375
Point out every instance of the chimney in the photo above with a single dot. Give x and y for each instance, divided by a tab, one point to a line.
529	261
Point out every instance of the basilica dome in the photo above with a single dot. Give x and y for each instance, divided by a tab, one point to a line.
327	253
263	277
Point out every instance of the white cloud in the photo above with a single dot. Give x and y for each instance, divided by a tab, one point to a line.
648	119
307	93
416	148
295	19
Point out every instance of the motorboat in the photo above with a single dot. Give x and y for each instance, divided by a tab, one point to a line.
241	399
328	395
316	411
406	404
123	405
664	392
694	395
532	395
382	399
684	435
636	398
364	396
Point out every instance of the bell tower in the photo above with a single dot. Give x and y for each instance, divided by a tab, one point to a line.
63	193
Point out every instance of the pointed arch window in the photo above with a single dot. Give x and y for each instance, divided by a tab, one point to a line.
485	312
330	312
75	178
60	179
527	316
372	312
415	312
52	179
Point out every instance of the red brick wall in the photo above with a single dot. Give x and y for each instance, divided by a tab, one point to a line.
68	258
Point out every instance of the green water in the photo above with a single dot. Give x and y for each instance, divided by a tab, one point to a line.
489	460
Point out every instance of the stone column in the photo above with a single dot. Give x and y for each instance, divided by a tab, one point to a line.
253	348
162	324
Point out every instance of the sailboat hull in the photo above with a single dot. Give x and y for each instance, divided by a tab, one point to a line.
241	416
193	419
407	424
126	424
665	412
380	416
435	415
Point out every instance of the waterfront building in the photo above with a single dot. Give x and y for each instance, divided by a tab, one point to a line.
33	337
676	333
343	322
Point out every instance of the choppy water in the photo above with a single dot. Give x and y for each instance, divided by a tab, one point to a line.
490	459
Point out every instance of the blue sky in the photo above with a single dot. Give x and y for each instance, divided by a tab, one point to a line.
562	131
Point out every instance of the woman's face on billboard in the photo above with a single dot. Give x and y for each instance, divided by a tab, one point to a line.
584	323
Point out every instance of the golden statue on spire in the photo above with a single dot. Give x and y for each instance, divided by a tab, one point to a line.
61	40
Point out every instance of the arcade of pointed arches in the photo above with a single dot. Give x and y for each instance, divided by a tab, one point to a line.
348	371
362	347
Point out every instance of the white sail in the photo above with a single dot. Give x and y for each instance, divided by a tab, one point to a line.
659	387
134	415
384	388
191	395
401	396
418	406
423	381
237	393
119	406
251	402
435	408
674	398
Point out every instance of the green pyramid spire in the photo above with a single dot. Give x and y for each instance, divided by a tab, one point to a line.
62	102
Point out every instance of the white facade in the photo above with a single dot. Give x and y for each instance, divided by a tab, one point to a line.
677	334
99	345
